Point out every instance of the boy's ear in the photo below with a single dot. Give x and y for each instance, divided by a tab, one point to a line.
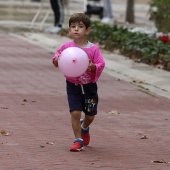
88	30
69	29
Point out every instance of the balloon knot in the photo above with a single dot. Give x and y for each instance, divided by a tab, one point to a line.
74	61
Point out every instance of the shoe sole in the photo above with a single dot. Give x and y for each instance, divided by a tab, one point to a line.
77	150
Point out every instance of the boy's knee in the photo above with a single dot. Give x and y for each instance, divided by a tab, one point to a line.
75	113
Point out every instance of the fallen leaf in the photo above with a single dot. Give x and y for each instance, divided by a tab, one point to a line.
115	112
159	66
137	60
42	146
138	81
161	162
117	51
144	137
4	108
4	133
50	143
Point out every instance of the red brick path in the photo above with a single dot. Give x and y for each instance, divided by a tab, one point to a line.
33	110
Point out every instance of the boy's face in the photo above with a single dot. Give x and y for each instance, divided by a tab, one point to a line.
78	30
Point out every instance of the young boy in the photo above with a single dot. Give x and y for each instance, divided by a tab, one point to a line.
82	91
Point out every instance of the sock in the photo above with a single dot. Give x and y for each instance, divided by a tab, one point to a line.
79	139
83	127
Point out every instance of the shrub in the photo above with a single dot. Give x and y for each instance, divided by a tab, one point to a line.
135	45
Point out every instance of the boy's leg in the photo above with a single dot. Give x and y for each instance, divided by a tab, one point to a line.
75	120
85	128
78	142
87	121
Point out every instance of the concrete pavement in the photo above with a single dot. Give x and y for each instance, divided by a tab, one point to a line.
131	130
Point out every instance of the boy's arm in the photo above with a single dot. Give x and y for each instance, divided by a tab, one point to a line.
99	63
57	55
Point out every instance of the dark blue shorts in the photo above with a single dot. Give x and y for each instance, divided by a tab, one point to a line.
86	102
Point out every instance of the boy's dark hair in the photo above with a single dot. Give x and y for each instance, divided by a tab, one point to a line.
80	17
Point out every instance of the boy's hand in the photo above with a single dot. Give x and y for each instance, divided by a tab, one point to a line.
55	62
91	67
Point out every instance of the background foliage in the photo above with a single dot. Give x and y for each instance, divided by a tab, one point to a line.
160	14
137	46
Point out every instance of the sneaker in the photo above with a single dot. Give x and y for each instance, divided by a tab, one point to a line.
55	30
106	20
85	134
49	29
77	145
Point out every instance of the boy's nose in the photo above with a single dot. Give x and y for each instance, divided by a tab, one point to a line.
76	28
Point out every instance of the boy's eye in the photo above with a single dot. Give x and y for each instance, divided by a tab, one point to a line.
77	26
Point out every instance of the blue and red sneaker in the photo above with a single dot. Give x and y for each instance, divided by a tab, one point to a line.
77	145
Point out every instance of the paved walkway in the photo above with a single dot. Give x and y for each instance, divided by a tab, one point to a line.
33	110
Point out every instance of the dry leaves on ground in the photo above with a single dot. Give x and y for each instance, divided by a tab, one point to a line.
144	137
114	112
50	143
4	107
161	162
4	133
138	81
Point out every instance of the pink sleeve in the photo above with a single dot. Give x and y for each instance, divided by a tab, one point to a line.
99	62
57	54
61	48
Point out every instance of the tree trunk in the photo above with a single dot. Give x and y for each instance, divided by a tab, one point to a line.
130	11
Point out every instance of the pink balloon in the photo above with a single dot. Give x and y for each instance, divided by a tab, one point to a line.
73	62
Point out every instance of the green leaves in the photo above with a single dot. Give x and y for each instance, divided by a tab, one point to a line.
135	45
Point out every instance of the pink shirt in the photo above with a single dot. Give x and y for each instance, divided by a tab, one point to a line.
95	57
